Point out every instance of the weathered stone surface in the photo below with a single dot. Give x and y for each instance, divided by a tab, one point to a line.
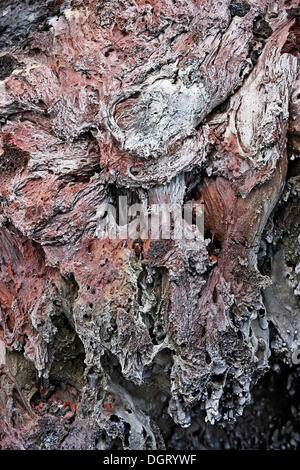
124	344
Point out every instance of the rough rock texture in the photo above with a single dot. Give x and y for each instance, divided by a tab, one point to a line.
104	346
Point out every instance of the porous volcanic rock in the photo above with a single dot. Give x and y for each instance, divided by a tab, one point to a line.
141	344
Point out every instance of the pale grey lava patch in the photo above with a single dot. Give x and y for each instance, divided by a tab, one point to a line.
167	109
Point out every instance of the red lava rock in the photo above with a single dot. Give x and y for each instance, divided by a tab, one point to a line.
69	415
138	247
73	407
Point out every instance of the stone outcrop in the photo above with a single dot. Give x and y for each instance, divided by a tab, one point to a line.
142	344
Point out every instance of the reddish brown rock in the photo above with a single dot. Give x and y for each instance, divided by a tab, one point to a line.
164	102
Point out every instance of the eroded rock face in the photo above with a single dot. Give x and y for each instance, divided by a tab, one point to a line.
102	344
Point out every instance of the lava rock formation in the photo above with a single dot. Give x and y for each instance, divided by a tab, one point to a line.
178	344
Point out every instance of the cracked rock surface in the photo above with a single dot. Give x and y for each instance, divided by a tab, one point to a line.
180	344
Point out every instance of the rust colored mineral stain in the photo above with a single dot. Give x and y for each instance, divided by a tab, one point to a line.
138	247
292	44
